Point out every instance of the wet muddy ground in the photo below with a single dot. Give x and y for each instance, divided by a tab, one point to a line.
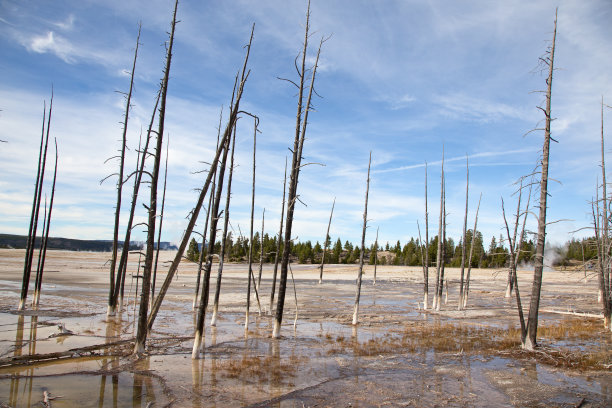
399	355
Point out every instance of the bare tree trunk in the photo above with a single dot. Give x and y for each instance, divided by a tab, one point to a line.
298	145
261	248
41	266
464	245
278	243
442	268
212	237
532	321
375	255
196	210
439	259
122	269
142	330
420	243
40	176
120	181
361	255
513	275
327	241
515	246
32	239
605	271
466	288
224	239
161	222
205	232
426	263
250	270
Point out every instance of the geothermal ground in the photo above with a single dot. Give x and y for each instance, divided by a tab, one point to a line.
399	355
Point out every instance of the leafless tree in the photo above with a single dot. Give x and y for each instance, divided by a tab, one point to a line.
137	174
278	243
224	239
161	223
203	192
464	236
532	321
326	244
40	176
120	179
361	255
375	255
142	331
41	261
466	287
298	145
426	258
261	249
439	258
212	237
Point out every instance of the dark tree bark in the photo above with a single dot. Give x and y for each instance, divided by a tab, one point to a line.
122	269
161	223
426	262
375	255
40	176
212	237
464	244
224	239
534	306
142	331
439	258
363	234
120	180
196	210
298	145
41	265
327	241
261	250
208	212
278	243
466	288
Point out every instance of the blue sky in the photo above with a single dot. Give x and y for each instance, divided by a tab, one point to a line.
398	78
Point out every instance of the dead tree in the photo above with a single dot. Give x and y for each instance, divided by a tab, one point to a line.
464	236
327	239
196	210
120	180
261	249
40	175
251	277
161	223
137	174
466	287
141	334
278	243
298	145
210	205
212	237
442	269
605	291
439	259
375	255
224	239
361	256
532	321
41	263
426	259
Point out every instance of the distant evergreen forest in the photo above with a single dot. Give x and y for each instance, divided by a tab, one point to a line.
411	253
